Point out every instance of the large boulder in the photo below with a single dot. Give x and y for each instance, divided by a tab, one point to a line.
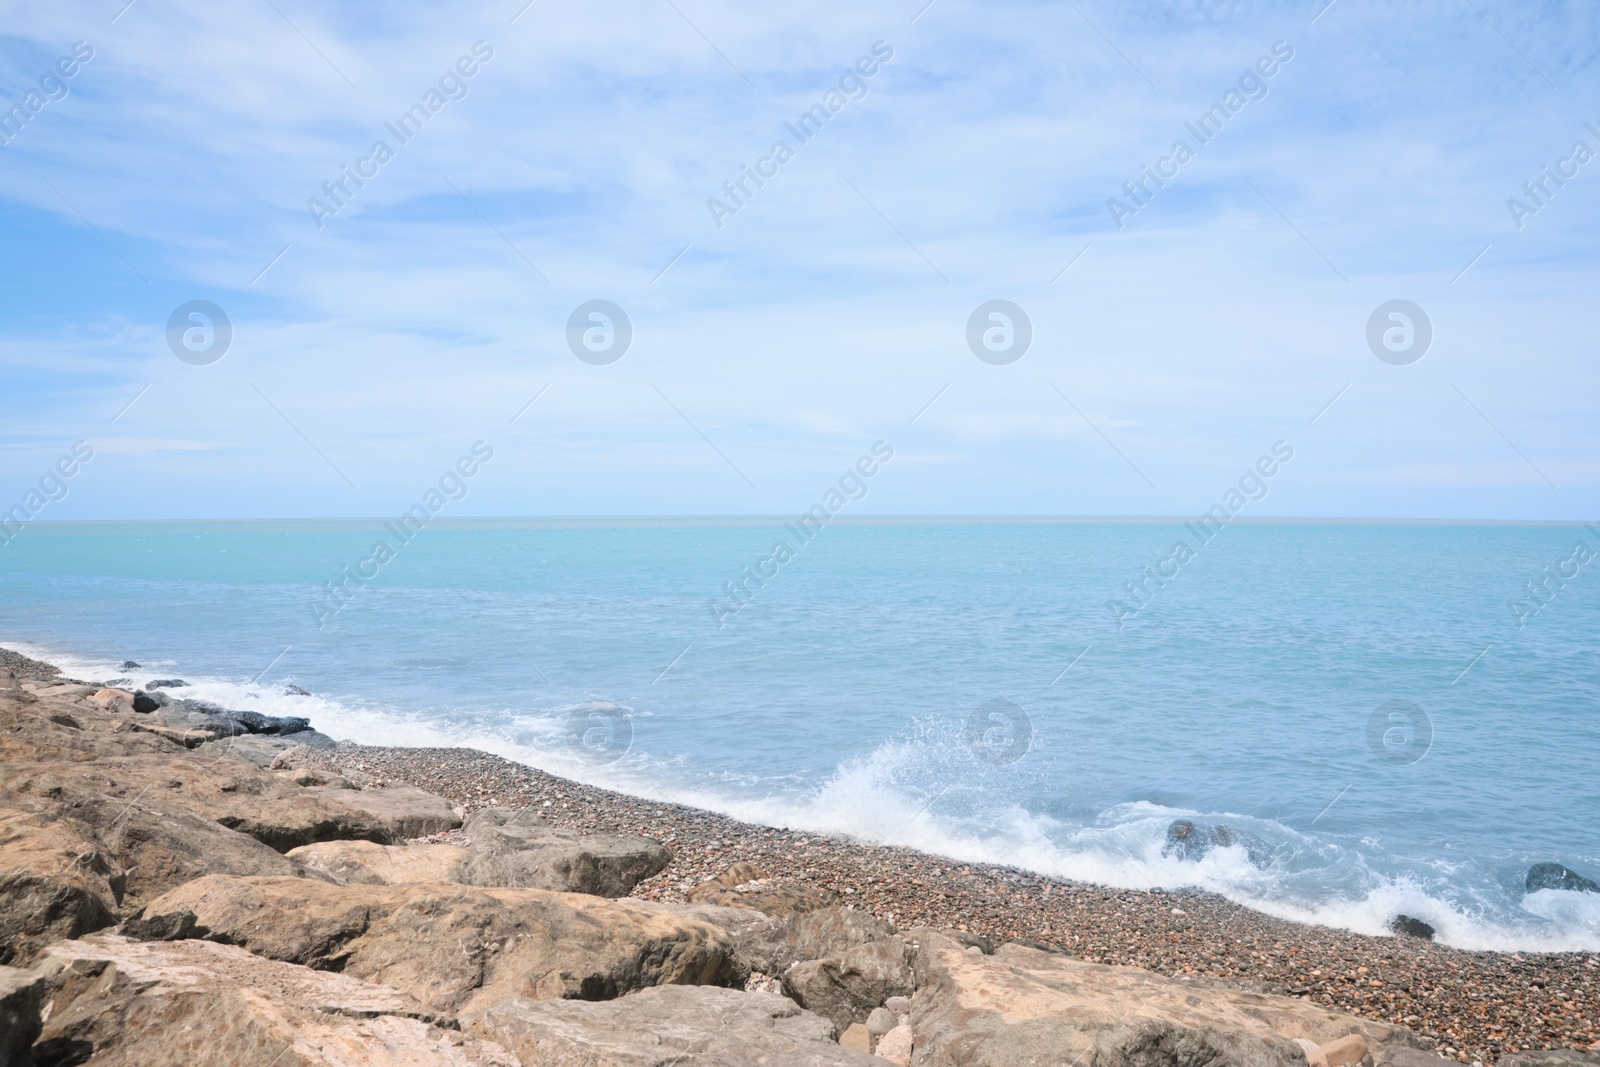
1023	1006
846	987
459	947
667	1026
514	848
21	998
121	1003
367	863
1555	876
56	881
271	808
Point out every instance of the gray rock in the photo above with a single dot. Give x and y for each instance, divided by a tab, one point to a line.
515	848
881	1021
144	703
1555	876
846	987
21	997
666	1026
261	749
1400	1056
167	683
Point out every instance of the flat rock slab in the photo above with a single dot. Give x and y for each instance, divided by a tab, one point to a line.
515	848
196	1004
458	948
368	863
1025	1008
667	1026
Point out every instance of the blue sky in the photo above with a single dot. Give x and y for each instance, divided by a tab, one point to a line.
825	314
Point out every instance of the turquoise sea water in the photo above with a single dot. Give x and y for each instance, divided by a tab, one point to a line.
1359	702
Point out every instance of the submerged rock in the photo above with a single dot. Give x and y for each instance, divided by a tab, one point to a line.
1187	841
1555	876
167	683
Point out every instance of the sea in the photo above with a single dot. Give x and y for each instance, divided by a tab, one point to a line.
1357	719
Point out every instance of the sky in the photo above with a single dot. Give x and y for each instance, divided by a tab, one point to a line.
1177	332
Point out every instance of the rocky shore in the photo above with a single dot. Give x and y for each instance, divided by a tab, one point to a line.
180	883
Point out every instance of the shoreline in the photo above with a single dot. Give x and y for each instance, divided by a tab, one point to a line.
1476	1005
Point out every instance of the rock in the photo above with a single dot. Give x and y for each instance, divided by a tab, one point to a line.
261	749
295	691
127	1004
116	700
770	946
129	665
881	1021
167	683
1346	1051
856	1037
56	881
516	849
1406	926
1021	1006
763	983
1555	876
744	885
896	1046
144	703
21	997
364	862
460	947
1187	841
666	1026
1565	1057
278	813
901	1006
846	988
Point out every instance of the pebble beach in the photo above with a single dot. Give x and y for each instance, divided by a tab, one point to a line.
1477	1006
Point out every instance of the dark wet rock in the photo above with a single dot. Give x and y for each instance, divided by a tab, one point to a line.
1406	926
129	665
1187	841
167	683
144	703
295	691
1555	876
